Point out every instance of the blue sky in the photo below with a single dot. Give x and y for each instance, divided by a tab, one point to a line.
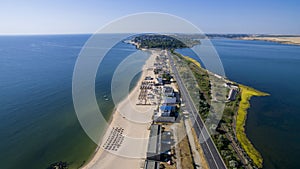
211	16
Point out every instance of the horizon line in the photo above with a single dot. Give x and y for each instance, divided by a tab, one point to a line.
89	33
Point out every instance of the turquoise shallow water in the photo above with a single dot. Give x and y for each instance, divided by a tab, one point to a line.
273	122
38	124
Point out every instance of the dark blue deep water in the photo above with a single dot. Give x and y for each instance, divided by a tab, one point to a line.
38	125
273	122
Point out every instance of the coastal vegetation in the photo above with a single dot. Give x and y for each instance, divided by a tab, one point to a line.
192	61
148	41
223	144
246	94
199	73
230	131
208	93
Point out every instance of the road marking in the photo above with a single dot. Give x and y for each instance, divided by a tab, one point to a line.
193	112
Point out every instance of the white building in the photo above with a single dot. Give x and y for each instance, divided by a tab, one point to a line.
169	100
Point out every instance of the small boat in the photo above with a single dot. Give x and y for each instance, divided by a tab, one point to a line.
105	96
106	99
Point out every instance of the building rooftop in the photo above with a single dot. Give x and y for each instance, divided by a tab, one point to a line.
164	119
153	138
149	164
232	94
168	89
167	108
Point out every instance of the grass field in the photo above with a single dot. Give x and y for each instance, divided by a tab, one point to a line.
246	94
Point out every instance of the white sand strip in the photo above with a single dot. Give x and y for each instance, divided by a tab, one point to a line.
134	121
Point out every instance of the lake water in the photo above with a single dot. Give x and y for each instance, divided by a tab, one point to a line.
273	122
38	125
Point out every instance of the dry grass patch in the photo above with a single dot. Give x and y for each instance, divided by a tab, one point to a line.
185	154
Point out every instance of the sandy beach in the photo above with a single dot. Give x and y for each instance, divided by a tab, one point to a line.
129	130
283	40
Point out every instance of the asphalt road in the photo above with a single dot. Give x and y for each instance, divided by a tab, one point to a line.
211	153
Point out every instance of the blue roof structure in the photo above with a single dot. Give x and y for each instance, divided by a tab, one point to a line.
166	108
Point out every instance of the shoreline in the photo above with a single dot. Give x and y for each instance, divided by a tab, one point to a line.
100	156
280	40
246	94
132	119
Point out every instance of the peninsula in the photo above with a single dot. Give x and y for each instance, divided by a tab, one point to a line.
230	139
163	121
